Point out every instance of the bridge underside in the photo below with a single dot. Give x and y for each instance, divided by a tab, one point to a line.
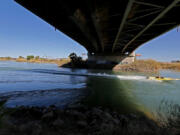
105	26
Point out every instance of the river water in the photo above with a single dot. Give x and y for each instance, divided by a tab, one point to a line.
46	84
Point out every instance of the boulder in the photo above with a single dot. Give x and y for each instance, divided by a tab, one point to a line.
58	123
82	124
48	116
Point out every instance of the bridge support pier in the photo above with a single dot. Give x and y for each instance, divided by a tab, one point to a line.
111	58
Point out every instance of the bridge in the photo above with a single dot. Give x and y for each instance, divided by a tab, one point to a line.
108	29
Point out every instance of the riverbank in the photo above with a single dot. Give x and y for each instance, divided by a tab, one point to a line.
140	66
77	119
147	66
59	62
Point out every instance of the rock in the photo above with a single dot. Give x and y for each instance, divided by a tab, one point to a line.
52	106
76	121
108	116
115	121
74	106
124	121
106	127
23	127
132	116
77	115
37	129
35	112
96	111
44	110
58	123
48	116
82	124
93	122
29	126
60	112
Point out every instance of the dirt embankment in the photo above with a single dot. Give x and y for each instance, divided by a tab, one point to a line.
147	66
59	62
140	66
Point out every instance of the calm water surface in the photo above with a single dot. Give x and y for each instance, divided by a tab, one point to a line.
46	84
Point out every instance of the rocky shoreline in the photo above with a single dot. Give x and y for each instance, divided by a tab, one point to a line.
75	120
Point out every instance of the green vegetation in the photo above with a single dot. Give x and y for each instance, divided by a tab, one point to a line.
30	57
37	57
21	57
75	59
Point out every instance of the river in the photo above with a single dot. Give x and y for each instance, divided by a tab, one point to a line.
33	84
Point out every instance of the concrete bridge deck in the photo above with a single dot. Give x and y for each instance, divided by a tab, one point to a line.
108	27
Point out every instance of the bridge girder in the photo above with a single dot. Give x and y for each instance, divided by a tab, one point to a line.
169	7
105	26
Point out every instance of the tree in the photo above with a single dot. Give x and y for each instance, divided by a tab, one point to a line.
30	57
8	58
37	57
21	57
75	60
73	56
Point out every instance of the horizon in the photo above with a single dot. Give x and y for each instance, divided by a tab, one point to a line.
23	33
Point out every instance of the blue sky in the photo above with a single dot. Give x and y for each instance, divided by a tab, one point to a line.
23	33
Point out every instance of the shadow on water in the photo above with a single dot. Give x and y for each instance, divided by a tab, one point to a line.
111	93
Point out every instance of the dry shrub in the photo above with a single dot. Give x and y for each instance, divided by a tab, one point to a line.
140	66
171	66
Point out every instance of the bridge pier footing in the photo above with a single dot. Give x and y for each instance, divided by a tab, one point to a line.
114	59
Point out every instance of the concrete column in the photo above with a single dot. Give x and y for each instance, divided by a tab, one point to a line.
103	59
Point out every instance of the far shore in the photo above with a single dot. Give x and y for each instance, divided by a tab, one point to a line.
146	66
59	62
